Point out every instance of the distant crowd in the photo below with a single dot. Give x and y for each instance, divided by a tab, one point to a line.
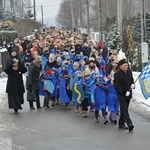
64	67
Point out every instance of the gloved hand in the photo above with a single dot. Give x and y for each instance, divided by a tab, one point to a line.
127	93
93	103
132	86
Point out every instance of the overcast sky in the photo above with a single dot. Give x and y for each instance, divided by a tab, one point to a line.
50	8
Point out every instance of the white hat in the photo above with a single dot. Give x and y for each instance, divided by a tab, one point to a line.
121	55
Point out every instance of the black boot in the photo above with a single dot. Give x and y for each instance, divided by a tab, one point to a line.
15	111
47	104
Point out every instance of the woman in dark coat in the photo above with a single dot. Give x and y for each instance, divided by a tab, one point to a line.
33	80
15	87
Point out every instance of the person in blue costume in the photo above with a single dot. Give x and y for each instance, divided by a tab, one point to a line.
86	89
70	65
100	99
64	66
72	73
55	80
77	87
73	57
102	69
51	62
41	84
48	87
63	90
92	90
112	101
44	57
75	68
53	51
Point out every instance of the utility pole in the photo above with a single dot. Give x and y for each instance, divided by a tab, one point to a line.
143	22
142	33
42	15
100	20
34	10
88	20
22	14
119	5
79	21
72	16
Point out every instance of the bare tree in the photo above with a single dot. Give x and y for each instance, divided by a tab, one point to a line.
109	11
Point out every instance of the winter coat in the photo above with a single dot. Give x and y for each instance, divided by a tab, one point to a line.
50	65
15	84
122	83
78	48
27	59
86	51
33	76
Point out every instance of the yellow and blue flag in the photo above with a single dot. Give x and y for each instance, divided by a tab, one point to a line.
144	80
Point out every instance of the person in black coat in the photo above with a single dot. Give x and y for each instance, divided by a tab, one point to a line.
109	65
33	80
51	62
15	87
123	83
78	48
27	58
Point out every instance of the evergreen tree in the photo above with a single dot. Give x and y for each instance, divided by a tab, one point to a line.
114	38
128	44
1	10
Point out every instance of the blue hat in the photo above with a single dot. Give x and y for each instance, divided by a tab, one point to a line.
53	51
99	76
54	69
64	65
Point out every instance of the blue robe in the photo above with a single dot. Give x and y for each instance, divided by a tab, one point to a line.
55	82
49	85
86	89
62	91
41	85
100	98
102	70
112	98
92	91
43	63
78	81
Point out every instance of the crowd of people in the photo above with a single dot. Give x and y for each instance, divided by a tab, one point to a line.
64	67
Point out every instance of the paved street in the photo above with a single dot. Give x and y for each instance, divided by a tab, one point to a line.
59	129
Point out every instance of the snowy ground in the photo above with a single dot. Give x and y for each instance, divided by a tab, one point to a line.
138	104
